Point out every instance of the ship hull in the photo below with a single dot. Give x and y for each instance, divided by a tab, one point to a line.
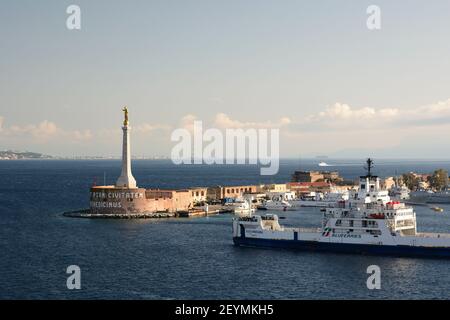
348	248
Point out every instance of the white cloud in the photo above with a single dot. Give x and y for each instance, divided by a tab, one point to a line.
40	131
437	113
223	121
341	111
81	136
148	128
342	116
187	122
43	132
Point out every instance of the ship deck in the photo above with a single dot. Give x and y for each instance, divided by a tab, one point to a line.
432	235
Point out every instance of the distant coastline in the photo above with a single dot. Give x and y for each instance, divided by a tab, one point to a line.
28	155
22	155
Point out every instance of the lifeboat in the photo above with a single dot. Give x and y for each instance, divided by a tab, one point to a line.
377	216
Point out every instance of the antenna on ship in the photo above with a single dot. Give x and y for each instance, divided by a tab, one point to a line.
369	167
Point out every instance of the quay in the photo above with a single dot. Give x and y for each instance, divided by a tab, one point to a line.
86	213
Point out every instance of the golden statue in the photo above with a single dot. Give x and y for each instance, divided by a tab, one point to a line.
125	114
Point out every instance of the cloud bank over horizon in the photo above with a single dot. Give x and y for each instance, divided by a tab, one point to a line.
338	129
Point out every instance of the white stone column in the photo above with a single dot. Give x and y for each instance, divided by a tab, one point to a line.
126	179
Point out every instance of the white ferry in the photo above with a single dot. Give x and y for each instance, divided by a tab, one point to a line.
317	199
368	223
277	205
400	193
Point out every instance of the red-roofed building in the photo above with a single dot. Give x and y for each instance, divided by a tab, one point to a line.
306	187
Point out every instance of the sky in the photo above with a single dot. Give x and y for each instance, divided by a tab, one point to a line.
310	68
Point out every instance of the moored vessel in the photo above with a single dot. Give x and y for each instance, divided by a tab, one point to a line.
275	205
316	199
243	208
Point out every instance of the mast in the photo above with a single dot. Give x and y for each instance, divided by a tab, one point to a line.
369	167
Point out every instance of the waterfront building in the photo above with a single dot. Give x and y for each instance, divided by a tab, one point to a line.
307	176
222	192
301	188
198	195
316	176
274	187
388	183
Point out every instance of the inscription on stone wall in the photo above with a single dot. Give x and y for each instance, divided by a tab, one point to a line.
105	204
116	195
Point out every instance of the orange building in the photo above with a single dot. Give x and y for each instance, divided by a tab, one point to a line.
220	192
306	187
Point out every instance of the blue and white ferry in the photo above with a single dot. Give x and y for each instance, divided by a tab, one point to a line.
368	223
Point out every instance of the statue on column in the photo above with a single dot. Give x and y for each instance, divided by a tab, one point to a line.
125	114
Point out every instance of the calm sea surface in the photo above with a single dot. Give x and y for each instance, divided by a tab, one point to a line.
184	258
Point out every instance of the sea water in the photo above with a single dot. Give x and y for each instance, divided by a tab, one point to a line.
186	258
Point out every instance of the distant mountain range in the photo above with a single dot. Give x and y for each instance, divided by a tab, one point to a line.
15	155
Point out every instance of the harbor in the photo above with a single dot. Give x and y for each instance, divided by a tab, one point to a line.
319	188
189	250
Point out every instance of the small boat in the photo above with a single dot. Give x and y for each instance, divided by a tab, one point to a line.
275	205
437	209
317	199
243	208
323	164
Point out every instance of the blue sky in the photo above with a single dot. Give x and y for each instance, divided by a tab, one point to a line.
311	68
